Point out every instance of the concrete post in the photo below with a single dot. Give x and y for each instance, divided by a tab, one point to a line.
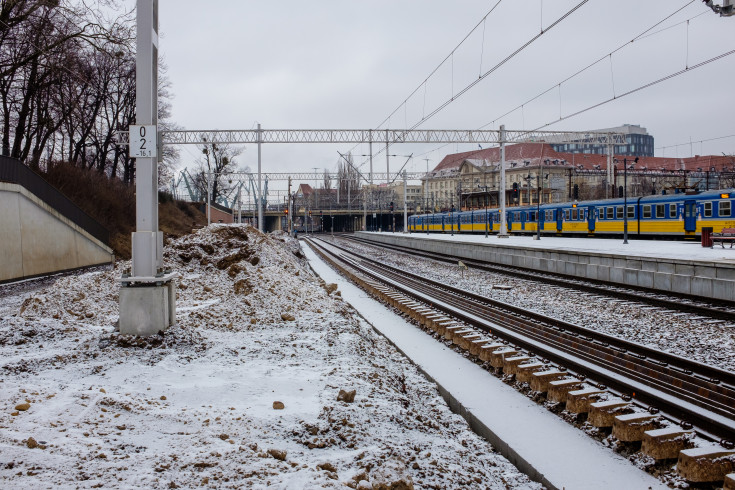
147	296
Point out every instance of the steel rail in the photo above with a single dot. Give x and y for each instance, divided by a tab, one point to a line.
709	405
721	310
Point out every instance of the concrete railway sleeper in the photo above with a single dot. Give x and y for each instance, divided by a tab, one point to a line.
677	364
609	408
682	303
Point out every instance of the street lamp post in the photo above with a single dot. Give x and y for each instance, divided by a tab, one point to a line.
451	215
484	188
539	189
625	199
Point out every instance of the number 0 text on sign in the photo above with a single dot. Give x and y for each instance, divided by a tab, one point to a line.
143	141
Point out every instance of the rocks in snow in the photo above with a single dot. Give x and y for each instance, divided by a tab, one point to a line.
278	405
391	475
346	396
22	407
287	317
278	454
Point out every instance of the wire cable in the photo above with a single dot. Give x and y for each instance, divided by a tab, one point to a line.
450	55
647	85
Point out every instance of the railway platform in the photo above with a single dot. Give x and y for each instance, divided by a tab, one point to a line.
684	268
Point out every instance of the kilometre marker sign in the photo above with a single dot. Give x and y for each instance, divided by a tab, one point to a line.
143	141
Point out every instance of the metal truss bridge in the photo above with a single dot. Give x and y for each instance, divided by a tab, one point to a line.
388	136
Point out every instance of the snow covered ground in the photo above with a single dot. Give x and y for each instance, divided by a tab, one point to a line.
681	334
252	388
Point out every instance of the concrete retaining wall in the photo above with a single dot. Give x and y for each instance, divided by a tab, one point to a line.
695	278
35	239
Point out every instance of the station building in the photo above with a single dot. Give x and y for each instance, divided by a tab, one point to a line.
471	180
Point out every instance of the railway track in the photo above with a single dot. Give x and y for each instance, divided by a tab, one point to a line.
721	311
681	390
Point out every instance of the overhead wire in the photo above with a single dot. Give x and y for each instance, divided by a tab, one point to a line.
424	83
650	84
648	32
600	59
450	55
493	69
693	142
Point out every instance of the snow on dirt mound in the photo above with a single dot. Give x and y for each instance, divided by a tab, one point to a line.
267	379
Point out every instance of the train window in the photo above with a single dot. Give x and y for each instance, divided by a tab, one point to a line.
660	210
619	212
610	213
647	211
672	210
707	209
566	214
724	209
574	214
631	211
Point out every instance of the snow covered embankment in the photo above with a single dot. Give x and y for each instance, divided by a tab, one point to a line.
201	405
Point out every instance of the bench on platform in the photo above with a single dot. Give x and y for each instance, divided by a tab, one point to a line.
727	235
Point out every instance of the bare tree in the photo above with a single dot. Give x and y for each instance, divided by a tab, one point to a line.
348	179
217	161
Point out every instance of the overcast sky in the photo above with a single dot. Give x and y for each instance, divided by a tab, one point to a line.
332	64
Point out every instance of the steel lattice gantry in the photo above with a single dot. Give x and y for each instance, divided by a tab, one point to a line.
390	136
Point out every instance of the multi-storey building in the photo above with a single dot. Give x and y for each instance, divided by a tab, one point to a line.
472	179
638	143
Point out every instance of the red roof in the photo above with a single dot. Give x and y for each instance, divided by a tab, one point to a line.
536	153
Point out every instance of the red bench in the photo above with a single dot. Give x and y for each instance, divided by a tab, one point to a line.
727	235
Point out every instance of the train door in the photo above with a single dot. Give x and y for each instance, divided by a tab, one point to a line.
690	215
509	220
591	218
559	219
540	220
523	219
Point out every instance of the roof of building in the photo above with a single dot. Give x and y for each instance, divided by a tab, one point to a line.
536	154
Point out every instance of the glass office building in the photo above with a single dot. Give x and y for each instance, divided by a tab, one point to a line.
638	143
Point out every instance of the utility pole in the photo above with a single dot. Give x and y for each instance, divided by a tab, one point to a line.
370	193
260	192
405	200
288	207
503	224
316	183
609	166
209	197
387	158
426	185
147	293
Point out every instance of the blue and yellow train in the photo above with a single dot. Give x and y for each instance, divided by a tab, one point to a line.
669	216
